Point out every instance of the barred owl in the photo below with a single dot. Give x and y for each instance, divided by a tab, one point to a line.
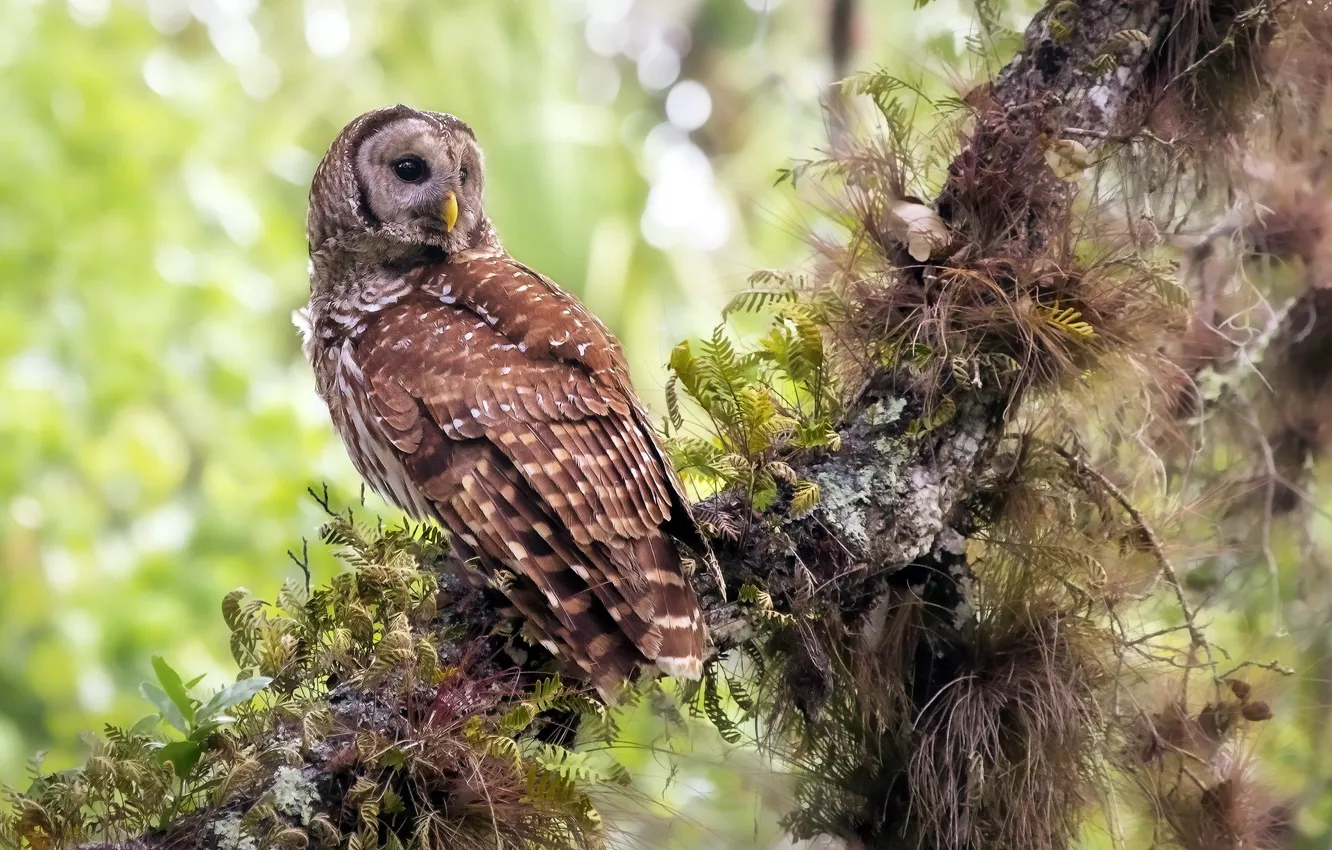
475	392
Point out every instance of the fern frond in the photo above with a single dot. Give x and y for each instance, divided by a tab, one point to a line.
805	498
1069	321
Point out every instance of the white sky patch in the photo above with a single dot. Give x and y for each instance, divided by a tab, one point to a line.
162	70
214	196
300	396
658	65
575	122
236	8
60	568
235	39
684	207
260	77
688	105
176	264
167	529
294	164
34	369
569	10
253	289
89	13
606	36
327	27
116	556
678	36
37	370
96	690
169	76
610	10
169	16
27	512
80	628
660	139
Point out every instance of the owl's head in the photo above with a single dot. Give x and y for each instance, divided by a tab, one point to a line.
410	178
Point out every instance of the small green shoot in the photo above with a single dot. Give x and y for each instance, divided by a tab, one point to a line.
193	718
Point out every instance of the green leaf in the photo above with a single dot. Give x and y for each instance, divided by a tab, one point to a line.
174	687
392	803
716	712
145	724
232	613
673	404
158	697
233	694
740	694
196	680
517	719
805	498
545	692
182	755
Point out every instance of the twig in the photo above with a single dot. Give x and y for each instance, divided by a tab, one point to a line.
1150	636
1120	138
1153	542
1271	666
303	562
322	499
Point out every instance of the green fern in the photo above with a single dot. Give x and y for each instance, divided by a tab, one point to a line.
761	606
760	404
766	288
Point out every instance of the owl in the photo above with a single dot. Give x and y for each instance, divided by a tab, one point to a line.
475	392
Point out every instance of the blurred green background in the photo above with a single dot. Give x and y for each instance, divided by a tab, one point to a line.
158	426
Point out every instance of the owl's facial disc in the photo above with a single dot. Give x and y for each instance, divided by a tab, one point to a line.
421	183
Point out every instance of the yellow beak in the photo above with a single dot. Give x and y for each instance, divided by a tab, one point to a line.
450	211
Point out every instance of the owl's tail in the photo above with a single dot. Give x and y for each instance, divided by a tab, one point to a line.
607	606
676	614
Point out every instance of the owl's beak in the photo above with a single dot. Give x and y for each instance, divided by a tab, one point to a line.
449	212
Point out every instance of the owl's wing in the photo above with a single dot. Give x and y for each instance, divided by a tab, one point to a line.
541	469
605	360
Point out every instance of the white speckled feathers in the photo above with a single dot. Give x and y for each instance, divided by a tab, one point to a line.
511	408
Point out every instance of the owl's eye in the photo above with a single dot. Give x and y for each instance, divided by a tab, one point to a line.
411	169
462	175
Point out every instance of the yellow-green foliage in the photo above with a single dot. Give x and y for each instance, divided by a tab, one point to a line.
433	753
761	404
360	625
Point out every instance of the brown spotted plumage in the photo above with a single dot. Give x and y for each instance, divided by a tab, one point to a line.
474	391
